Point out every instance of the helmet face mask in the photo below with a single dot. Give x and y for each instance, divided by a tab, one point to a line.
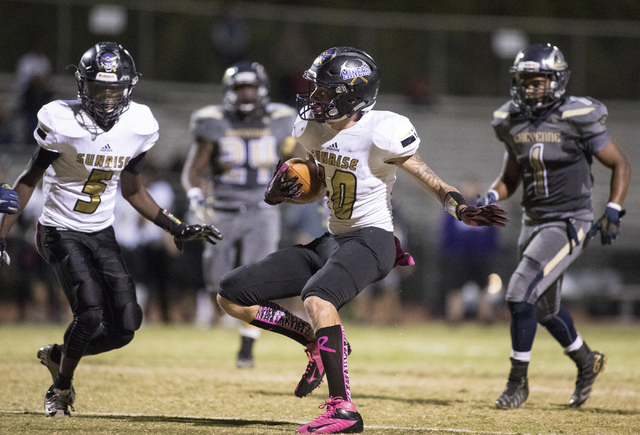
540	75
106	77
342	82
246	88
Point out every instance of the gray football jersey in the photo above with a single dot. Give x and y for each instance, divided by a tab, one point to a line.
555	152
247	150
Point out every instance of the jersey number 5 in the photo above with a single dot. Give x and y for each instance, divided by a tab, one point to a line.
94	187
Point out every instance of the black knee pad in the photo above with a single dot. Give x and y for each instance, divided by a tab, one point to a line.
131	317
520	307
89	320
545	312
123	339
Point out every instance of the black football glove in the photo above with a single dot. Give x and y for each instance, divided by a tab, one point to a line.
484	216
608	226
4	257
9	202
279	189
188	233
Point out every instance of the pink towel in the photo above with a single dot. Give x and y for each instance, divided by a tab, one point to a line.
402	258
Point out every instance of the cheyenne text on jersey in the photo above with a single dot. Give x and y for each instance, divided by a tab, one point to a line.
537	136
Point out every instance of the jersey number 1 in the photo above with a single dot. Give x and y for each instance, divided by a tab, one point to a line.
539	170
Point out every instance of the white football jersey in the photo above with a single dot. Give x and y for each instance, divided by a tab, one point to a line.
80	185
359	180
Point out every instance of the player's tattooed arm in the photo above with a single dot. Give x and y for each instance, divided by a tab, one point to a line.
425	176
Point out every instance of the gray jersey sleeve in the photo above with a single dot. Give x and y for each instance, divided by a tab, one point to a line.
588	117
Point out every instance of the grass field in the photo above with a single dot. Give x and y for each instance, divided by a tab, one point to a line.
423	379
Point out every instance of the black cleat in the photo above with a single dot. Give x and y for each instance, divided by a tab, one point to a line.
517	390
44	355
514	395
245	354
590	364
57	403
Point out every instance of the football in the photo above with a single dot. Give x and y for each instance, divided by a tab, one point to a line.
307	172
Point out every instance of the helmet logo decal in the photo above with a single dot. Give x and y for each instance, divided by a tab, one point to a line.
355	73
556	62
108	62
107	77
325	55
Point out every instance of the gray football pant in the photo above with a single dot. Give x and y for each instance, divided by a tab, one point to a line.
247	238
545	252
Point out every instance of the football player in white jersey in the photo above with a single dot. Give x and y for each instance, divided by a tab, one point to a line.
359	151
85	147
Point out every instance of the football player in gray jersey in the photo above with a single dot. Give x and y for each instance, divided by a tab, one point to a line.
550	141
236	147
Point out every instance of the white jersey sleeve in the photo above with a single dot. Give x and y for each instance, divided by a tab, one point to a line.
358	168
80	185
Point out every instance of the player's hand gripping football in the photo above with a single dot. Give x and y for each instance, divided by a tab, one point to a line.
607	225
189	233
9	202
483	216
280	189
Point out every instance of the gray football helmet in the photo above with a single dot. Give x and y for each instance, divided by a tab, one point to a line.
539	60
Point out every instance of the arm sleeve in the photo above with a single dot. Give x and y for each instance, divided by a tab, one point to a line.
135	164
43	158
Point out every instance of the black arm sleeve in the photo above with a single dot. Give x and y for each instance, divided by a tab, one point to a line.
43	158
135	164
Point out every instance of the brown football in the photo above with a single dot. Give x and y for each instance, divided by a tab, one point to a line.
307	173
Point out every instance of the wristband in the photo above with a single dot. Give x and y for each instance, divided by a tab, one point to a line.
168	222
451	204
195	193
614	206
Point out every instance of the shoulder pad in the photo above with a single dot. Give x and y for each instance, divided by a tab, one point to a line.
141	119
279	110
215	112
504	112
583	110
59	116
391	130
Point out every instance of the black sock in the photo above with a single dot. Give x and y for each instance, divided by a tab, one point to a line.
62	383
246	347
333	351
55	354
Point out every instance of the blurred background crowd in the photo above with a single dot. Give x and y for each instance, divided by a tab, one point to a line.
444	65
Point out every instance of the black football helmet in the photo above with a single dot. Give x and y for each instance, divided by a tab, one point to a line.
245	74
106	76
351	75
539	60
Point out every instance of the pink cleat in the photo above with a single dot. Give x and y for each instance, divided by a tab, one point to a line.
341	417
314	373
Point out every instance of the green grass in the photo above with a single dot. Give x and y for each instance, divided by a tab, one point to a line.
424	379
